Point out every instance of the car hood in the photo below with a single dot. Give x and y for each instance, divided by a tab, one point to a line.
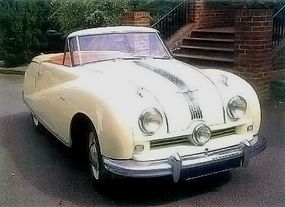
184	93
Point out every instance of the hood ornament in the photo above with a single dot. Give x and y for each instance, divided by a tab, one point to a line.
188	93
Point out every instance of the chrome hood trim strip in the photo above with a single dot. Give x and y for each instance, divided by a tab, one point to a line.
219	92
194	108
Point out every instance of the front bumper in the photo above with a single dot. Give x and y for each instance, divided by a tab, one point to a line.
190	166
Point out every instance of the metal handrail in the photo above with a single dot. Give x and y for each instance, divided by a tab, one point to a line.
173	20
278	33
279	11
167	14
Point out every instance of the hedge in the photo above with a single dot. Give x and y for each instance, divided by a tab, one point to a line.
24	23
22	27
247	3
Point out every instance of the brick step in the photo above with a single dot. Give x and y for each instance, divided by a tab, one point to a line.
208	42
217	59
208	48
217	62
207	51
213	34
218	29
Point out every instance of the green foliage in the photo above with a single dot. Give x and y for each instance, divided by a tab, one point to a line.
1	47
24	23
74	14
22	27
157	8
247	3
278	89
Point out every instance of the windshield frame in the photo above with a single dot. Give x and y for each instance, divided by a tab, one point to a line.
71	52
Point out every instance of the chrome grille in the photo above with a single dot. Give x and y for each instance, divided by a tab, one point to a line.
223	132
193	106
184	139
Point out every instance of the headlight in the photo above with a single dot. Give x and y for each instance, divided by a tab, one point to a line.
201	134
236	107
150	121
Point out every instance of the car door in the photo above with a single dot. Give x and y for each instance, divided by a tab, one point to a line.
53	108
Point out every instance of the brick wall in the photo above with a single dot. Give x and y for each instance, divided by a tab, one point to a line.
253	48
175	41
203	16
136	19
207	16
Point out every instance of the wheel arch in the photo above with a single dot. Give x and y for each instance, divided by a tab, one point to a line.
80	124
114	138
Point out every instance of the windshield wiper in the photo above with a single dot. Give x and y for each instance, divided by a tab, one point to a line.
151	57
113	59
131	58
163	57
127	58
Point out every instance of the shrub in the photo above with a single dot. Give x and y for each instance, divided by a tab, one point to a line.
74	14
23	24
247	3
157	8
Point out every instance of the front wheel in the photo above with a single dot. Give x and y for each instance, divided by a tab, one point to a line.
98	171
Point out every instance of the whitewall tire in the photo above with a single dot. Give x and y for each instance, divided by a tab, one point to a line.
98	172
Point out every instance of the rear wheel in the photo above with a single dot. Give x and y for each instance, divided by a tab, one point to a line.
98	171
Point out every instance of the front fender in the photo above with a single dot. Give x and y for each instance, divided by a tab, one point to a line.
113	130
114	113
238	86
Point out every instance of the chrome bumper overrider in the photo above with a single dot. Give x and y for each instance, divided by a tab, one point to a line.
190	166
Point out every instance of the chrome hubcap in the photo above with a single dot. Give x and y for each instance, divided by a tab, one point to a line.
93	156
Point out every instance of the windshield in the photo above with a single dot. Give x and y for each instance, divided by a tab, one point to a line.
102	47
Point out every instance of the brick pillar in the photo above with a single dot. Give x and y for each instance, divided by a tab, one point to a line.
136	19
198	12
208	16
253	48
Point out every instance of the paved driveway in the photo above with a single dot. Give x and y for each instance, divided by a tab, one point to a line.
36	170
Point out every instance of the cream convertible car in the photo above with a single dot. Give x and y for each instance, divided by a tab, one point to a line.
139	112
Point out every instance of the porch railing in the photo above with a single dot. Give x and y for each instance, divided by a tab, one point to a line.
174	19
278	26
